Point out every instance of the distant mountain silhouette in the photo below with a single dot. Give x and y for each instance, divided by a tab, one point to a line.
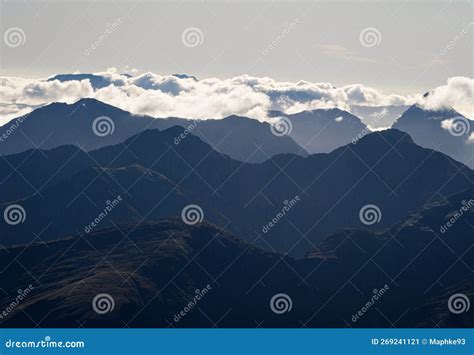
185	76
378	116
97	81
59	124
323	130
239	137
425	127
62	124
158	178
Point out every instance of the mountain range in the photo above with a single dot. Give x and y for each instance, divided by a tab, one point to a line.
445	130
66	188
60	124
154	270
323	130
378	116
244	139
327	215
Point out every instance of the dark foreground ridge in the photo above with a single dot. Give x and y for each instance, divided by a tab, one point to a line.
154	271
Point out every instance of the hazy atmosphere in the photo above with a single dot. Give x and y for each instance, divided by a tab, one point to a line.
237	164
257	56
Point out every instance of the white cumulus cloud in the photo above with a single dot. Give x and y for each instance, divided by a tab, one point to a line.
457	93
447	124
168	95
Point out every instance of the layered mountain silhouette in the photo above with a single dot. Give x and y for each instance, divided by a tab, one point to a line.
378	116
445	130
244	139
104	215
157	178
323	130
152	275
425	258
60	124
239	137
154	270
29	173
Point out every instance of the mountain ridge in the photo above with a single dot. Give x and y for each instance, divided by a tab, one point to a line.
445	130
384	168
81	123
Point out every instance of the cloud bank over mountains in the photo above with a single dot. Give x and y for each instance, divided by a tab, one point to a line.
457	93
183	96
